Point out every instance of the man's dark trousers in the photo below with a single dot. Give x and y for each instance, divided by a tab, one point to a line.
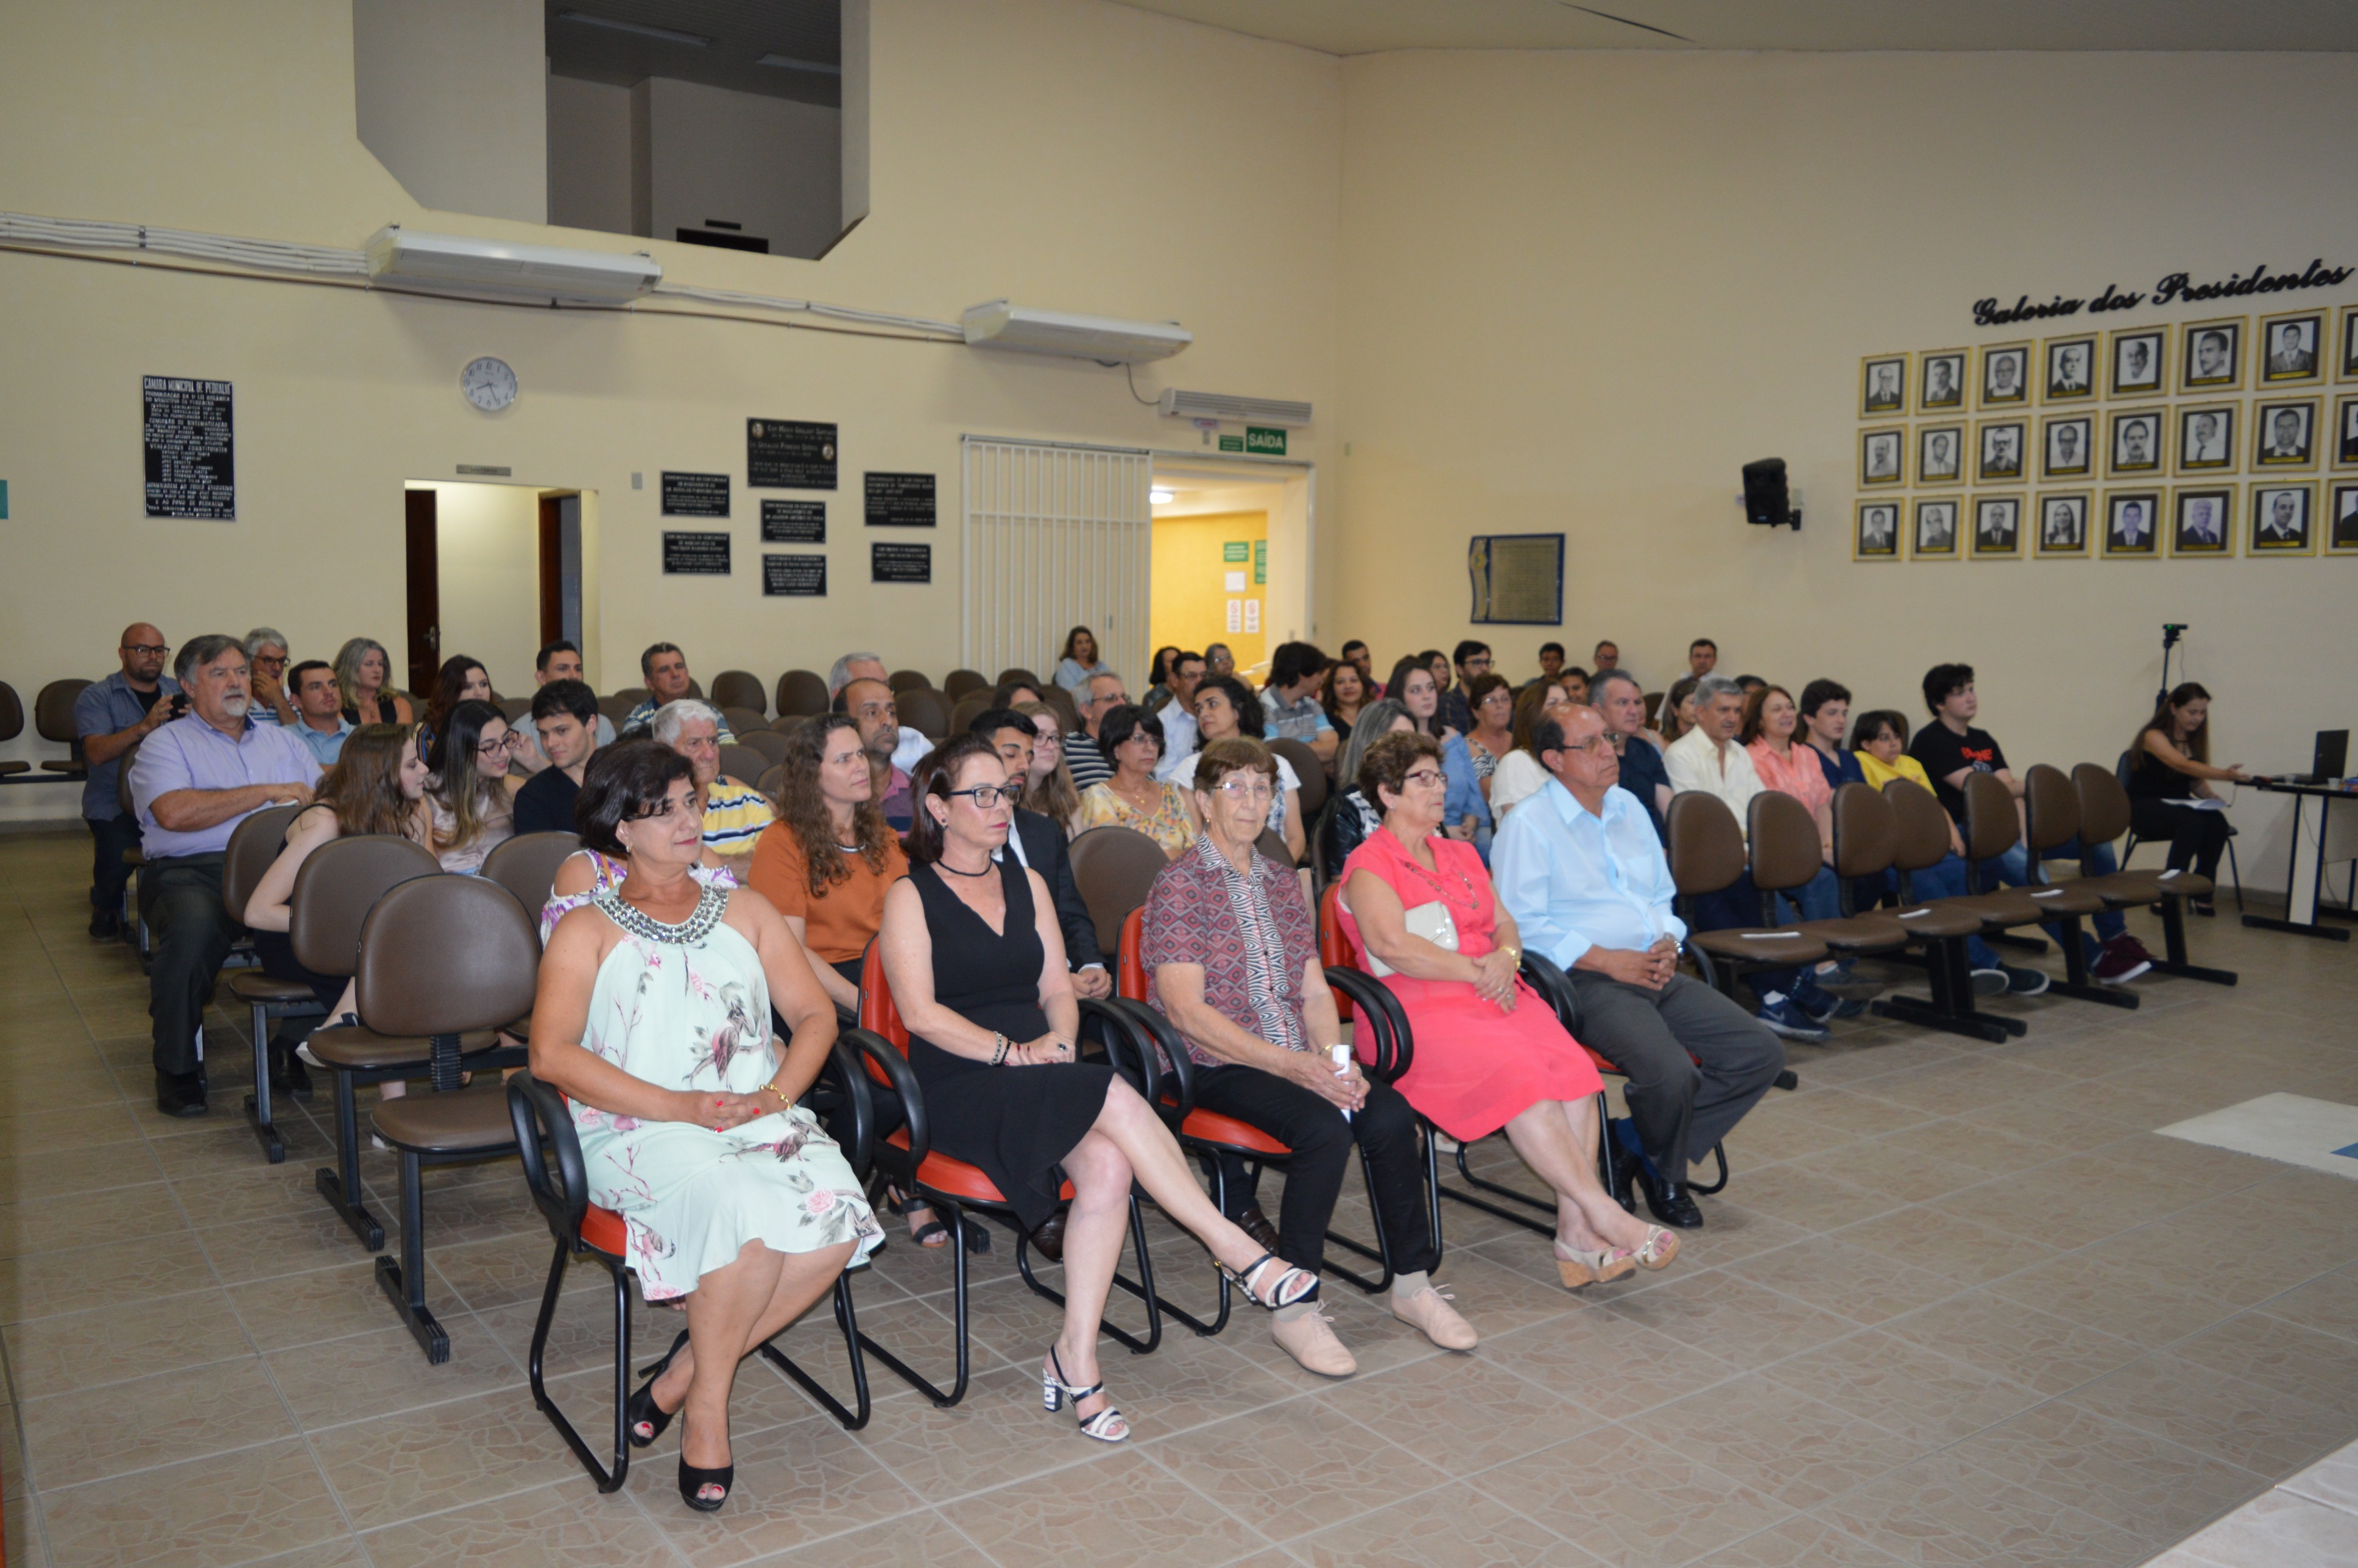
193	932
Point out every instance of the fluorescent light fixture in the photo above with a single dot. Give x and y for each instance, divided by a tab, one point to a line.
788	62
640	29
1160	497
999	325
462	264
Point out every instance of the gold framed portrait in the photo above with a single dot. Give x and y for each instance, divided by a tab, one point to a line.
2005	379
2136	442
2137	362
2061	531
2202	522
1875	528
1939	454
2211	356
2342	519
2282	518
2069	369
1934	538
2001	451
1997	527
1882	385
1941	381
2284	434
2342	440
2207	435
1883	457
2132	524
2067	446
2291	349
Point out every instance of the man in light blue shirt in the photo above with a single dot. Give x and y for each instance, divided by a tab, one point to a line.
319	722
1579	868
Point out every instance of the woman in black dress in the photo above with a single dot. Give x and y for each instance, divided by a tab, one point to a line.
977	966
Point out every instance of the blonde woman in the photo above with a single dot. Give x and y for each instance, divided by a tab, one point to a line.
1048	787
363	676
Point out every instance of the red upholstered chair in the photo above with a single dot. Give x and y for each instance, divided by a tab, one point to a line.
951	1186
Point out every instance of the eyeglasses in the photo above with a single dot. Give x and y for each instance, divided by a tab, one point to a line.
1479	661
1428	777
156	650
507	743
1236	789
987	795
275	661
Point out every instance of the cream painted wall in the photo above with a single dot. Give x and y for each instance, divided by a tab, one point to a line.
588	155
997	168
449	98
771	164
1578	292
488	539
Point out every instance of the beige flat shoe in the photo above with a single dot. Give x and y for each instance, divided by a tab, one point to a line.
1430	1313
1310	1341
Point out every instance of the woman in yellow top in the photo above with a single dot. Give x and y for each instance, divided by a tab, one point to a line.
1132	739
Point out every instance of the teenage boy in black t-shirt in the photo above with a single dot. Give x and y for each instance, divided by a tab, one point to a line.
1951	750
565	718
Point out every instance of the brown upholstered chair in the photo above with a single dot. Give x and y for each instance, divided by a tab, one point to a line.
12	724
742	688
909	680
742	721
925	710
253	846
2104	817
53	720
966	706
743	762
615	708
443	957
1018	673
1308	769
630	697
1060	700
1905	827
959	683
802	693
1114	867
2051	813
773	780
1706	855
526	866
769	742
789	723
1784	856
516	710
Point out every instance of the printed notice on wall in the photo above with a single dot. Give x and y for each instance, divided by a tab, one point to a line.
1518	579
695	555
794	577
794	522
695	495
1235	616
1252	616
1234	582
789	454
900	499
900	563
191	464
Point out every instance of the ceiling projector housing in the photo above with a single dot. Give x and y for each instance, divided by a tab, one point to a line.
456	264
999	325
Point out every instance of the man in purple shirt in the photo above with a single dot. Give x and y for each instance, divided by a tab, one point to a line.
194	781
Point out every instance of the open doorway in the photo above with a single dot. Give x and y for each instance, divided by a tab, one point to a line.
495	572
1230	556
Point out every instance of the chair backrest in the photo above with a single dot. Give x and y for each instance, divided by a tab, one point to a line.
617	708
1990	826
957	683
1334	946
1783	837
339	882
526	866
630	697
53	717
802	692
742	721
1060	700
1306	768
925	710
1271	844
743	762
1706	848
878	1014
909	680
740	688
1653	701
1867	832
254	843
446	955
1018	673
515	709
122	778
2104	804
963	708
1114	867
2050	808
12	712
789	724
1130	968
772	782
1921	829
768	741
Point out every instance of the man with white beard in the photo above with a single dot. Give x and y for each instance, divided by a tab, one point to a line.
195	780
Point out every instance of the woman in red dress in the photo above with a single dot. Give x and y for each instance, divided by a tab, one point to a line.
1489	1054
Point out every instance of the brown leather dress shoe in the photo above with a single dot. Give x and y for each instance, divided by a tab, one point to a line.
1049	1240
1255	1224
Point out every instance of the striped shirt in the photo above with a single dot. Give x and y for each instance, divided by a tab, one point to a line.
734	816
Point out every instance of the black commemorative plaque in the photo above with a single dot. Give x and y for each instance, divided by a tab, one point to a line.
695	555
789	454
900	563
900	499
187	432
794	577
794	522
695	494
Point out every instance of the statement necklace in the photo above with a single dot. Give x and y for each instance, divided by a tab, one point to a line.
635	922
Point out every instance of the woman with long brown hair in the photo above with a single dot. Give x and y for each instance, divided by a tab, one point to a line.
1344	695
2169	772
460	679
471	794
1080	661
364	678
830	856
1049	788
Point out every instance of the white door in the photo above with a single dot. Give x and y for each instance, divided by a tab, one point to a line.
1056	537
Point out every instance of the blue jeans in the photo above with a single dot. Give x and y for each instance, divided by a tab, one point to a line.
1947	880
1819	898
1737	906
2095	860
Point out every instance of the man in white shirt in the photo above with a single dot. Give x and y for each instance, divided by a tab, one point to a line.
1706	757
1582	872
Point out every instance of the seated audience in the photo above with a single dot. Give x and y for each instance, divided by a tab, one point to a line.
732	1194
1037	842
1551	662
1749	684
1490	1054
1586	883
734	811
1825	720
1225	709
460	679
1342	695
912	743
1574	682
1617	697
1491	699
828	856
111	716
1231	953
471	794
1356	654
2169	772
589	874
1130	739
1950	748
1605	655
560	661
1784	763
197	777
1100	695
1519	775
319	722
976	963
1353	816
1472	659
563	715
378	786
1012	694
1178	715
274	697
1219	659
1466	812
1048	786
1678	712
1289	700
1079	661
664	669
873	707
1158	683
363	671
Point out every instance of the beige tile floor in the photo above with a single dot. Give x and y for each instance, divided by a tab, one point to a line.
1959	1305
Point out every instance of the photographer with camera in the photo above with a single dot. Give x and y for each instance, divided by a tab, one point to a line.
111	717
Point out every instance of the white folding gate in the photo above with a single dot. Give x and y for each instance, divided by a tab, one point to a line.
1056	537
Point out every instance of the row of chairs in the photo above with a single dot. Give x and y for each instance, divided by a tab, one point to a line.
53	720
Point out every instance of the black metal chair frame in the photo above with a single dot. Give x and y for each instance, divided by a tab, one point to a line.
341	1188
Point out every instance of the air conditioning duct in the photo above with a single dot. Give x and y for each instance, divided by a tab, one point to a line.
1243	410
999	325
460	264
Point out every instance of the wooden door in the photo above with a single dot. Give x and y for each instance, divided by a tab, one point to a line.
425	567
552	569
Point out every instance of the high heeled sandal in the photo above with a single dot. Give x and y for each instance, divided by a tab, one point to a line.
1054	1391
643	1411
1599	1268
692	1482
1662	1246
1294	1285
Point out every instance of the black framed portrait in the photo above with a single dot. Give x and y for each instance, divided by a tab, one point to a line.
1882	384
1881	456
2284	434
2211	356
2280	519
2068	447
1941	381
2202	521
1997	526
1939	454
2136	443
1998	448
2345	427
2292	348
2206	437
2062	524
2070	368
2006	375
2138	362
2132	524
1936	529
2342	539
1876	538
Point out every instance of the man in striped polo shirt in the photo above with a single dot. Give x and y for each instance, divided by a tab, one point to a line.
734	811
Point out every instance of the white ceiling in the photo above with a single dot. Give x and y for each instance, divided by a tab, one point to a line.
1370	27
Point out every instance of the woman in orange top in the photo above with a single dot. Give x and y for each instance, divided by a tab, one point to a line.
827	858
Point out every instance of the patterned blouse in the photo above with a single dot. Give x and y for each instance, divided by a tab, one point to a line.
1167	825
607	876
1250	931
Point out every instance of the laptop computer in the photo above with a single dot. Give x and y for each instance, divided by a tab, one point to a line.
2333	757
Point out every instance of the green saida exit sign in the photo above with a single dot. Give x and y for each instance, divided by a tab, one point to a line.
1269	443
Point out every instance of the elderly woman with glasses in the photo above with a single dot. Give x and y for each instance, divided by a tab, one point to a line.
1420	909
976	963
1131	740
1232	959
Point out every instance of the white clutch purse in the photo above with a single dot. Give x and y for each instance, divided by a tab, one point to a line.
1431	921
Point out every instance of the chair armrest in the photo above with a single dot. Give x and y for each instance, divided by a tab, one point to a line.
889	1066
1555	988
1128	1047
1379	1010
1180	1084
562	1195
851	1080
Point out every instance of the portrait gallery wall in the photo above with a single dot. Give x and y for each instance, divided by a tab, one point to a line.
2184	441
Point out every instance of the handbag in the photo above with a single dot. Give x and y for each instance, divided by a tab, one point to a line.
1431	921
